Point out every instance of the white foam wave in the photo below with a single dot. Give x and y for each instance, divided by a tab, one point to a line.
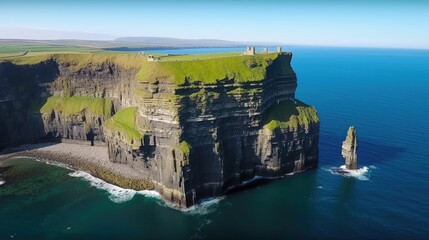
205	207
2	182
361	173
117	194
149	193
62	165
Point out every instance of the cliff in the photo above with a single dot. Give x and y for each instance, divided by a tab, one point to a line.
62	95
195	128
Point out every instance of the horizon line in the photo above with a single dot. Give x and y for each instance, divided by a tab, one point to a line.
239	44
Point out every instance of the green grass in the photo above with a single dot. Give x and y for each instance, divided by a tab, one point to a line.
75	105
289	115
124	122
185	148
80	61
240	68
190	57
19	48
76	58
242	91
203	95
34	53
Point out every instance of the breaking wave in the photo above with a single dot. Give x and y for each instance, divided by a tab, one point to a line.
57	164
116	194
2	182
361	173
121	195
205	207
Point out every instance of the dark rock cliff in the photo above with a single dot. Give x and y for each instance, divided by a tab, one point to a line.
199	140
26	91
22	93
194	139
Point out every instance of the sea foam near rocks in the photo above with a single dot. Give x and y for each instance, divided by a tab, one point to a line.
361	173
205	207
116	194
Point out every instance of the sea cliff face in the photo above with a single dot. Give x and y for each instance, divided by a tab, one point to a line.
62	96
195	128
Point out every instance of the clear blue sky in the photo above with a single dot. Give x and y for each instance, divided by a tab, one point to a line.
364	23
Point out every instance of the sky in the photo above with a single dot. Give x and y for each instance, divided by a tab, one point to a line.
363	23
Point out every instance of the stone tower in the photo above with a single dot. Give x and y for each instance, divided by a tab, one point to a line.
349	149
250	51
279	49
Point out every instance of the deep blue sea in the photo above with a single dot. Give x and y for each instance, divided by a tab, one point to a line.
382	92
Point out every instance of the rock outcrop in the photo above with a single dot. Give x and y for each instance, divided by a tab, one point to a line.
195	128
63	96
207	130
349	149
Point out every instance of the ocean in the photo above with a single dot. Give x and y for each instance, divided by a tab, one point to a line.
382	92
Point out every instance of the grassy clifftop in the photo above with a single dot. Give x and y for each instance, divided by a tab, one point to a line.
210	71
77	61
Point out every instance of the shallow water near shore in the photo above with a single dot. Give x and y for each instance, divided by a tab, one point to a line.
382	92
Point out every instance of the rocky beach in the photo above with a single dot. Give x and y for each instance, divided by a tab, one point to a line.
80	155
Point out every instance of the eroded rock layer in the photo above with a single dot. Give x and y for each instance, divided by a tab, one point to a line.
195	128
349	149
61	96
200	139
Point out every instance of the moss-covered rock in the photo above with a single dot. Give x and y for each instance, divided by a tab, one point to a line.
77	104
288	115
124	122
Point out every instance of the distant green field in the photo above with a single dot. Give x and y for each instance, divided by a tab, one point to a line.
29	53
11	50
42	48
78	59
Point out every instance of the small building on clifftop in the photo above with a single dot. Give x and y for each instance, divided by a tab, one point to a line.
250	51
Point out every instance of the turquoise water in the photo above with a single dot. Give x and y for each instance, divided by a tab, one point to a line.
381	92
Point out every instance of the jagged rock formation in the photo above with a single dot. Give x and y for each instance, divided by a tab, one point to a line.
195	128
349	149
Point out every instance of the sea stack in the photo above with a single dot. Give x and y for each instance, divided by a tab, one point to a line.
349	149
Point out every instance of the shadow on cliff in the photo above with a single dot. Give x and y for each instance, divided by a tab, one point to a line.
24	90
303	181
369	151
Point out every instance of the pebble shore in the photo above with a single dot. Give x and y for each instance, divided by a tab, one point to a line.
82	156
